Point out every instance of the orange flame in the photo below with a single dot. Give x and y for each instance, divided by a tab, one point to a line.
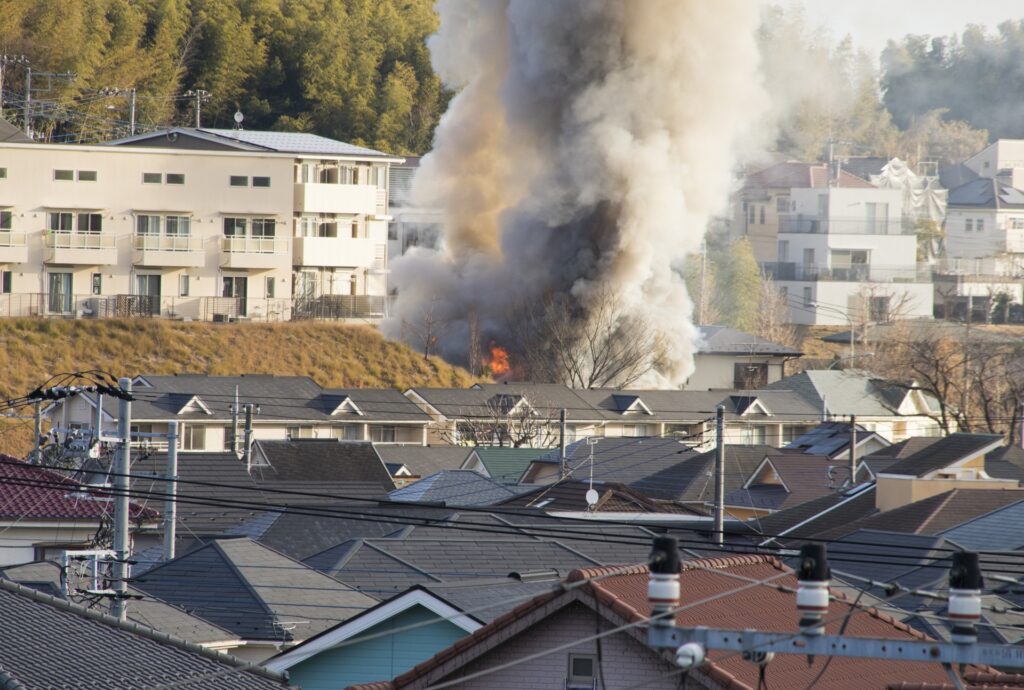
498	361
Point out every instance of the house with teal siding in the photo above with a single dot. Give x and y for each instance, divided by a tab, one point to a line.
381	642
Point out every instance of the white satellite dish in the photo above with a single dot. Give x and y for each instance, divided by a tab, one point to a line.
592	497
239	116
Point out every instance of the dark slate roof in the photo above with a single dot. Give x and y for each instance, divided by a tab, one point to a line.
506	465
33	493
805	520
932	515
832	439
622	460
612	497
281	398
144	610
454	487
943	453
804	477
201	509
999	529
489	598
720	340
254	140
424	460
987	193
956	175
891	557
316	459
547	399
690	477
253	591
10	134
46	642
1006	462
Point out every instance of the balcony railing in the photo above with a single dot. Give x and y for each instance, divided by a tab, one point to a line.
12	238
913	273
254	245
843	226
78	240
167	243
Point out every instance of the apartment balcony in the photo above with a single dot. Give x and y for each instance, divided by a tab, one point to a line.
12	247
349	252
254	252
82	249
800	224
325	197
179	251
862	273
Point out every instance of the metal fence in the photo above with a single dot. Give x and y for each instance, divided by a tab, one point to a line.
913	273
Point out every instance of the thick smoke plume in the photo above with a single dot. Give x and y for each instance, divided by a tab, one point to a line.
588	145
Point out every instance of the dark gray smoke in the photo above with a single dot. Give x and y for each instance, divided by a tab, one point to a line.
588	145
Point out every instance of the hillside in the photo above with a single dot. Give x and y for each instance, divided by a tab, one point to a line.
32	350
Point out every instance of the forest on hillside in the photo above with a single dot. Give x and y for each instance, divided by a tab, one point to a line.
356	70
360	71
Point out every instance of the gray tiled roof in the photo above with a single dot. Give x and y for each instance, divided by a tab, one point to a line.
201	508
46	642
805	520
454	487
999	529
845	392
489	598
986	192
719	340
832	438
316	459
689	476
294	142
424	460
943	453
145	610
570	495
254	591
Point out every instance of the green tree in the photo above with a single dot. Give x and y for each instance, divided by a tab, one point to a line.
738	287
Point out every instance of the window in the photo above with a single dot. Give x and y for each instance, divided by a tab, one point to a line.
87	176
263	227
750	375
234	227
808	256
980	225
64	175
5	220
355	229
783	251
3	173
193	437
1017	223
175	178
353	285
183	285
152	178
147	225
968	224
348	432
762	215
382	434
179	226
59	221
781	204
260	181
97	283
808	298
239	180
750	214
91	223
582	670
301	432
270	288
878	308
753	435
6	282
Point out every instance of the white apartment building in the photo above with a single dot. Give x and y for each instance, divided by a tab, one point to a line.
194	224
411	225
845	257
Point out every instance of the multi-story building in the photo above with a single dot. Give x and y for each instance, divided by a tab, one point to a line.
846	257
195	224
412	224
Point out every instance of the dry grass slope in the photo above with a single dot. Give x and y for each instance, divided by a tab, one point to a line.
31	350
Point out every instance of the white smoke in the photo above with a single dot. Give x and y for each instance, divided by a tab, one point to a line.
588	145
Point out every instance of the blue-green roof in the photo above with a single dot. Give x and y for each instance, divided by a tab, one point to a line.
506	465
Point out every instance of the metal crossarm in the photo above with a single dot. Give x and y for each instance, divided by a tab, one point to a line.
753	644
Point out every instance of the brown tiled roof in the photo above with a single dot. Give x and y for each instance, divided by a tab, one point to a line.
794	174
942	454
623	593
976	680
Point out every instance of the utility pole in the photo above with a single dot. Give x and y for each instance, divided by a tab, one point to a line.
853	450
98	424
114	91
247	441
171	507
561	445
131	113
28	101
4	61
720	475
121	505
234	424
201	97
39	431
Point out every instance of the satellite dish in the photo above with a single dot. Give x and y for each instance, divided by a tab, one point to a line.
239	116
592	497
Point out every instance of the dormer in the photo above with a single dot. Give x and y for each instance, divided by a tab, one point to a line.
765	475
189	404
509	404
630	404
749	405
342	405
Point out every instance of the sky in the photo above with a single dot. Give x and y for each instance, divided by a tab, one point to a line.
873	22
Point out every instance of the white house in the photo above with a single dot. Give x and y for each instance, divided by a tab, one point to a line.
846	256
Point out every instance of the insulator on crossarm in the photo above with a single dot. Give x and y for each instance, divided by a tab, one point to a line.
965	583
663	584
812	588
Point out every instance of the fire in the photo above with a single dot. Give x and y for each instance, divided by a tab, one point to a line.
498	361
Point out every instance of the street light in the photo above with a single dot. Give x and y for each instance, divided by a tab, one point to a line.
841	312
